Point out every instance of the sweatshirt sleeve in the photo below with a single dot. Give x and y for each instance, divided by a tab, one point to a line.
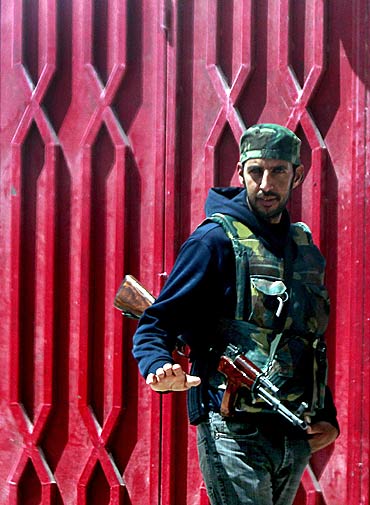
185	304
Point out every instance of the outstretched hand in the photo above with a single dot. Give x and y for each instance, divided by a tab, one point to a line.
171	378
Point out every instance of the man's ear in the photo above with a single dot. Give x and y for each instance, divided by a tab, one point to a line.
239	169
298	176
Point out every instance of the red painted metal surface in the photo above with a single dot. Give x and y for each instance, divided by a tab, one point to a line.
116	118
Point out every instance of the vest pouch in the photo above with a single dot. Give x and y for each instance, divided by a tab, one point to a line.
253	341
309	308
268	296
291	366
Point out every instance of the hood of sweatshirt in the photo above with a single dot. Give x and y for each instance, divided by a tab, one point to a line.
233	201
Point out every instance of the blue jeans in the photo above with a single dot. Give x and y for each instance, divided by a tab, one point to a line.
242	466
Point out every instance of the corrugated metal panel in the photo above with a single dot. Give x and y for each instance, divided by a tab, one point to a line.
82	126
116	118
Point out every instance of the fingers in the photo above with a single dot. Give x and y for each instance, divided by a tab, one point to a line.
171	377
151	379
168	370
160	374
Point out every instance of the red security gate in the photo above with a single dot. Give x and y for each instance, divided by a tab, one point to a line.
116	117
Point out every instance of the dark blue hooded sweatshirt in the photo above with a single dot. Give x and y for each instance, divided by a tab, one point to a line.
201	289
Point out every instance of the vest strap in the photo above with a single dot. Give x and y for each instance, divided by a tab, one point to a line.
241	262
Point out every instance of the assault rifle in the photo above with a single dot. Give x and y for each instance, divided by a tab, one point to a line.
132	299
242	372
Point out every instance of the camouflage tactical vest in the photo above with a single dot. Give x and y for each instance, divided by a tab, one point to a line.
293	354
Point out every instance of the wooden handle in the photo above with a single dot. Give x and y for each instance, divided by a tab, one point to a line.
132	298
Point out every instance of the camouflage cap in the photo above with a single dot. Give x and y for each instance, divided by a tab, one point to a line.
270	141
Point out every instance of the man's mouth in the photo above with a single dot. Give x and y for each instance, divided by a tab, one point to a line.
267	201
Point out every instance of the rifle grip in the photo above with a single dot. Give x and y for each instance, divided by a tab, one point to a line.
228	400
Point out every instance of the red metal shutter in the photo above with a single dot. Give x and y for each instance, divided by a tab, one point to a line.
116	118
83	116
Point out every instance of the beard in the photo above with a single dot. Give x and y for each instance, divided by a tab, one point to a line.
269	205
266	213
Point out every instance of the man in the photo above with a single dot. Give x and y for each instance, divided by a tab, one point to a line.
246	276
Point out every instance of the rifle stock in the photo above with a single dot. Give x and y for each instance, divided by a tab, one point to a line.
132	298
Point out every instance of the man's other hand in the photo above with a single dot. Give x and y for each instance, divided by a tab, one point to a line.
322	434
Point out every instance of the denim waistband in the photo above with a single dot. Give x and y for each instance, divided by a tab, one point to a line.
271	424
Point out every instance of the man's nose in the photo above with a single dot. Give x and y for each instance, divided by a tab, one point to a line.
266	181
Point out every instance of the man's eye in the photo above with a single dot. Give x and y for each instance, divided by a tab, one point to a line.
254	170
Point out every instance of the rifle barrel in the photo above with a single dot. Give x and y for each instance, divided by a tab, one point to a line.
279	407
